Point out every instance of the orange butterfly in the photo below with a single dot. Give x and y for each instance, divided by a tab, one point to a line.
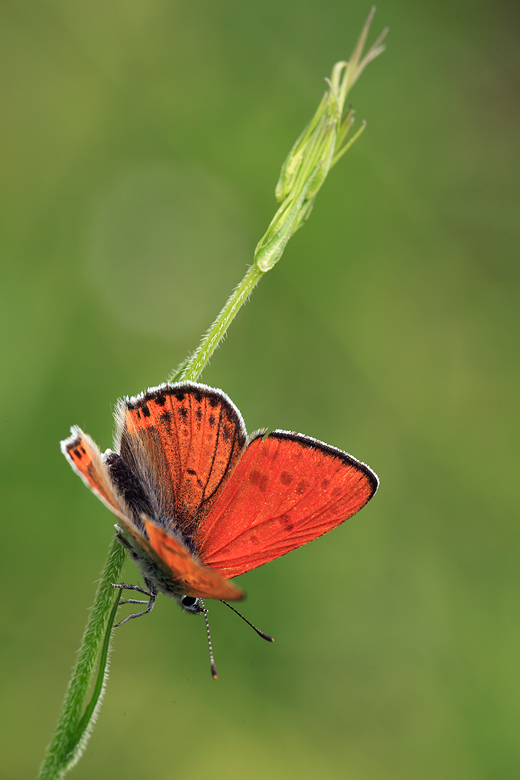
199	502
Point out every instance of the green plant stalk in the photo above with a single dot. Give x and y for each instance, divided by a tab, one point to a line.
192	369
318	148
73	731
89	716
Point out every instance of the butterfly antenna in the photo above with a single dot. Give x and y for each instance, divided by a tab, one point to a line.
212	660
260	633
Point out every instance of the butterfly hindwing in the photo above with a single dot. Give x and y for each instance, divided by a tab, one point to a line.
182	442
286	490
193	578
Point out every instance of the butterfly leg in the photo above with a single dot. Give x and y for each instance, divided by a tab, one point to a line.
152	598
121	539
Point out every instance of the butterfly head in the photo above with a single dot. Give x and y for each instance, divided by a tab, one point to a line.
190	604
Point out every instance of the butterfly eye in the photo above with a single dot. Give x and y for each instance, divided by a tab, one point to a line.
191	604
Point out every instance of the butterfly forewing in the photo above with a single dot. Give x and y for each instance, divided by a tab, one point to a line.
286	490
182	441
86	459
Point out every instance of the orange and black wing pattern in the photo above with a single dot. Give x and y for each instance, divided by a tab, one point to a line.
85	458
182	442
165	550
286	490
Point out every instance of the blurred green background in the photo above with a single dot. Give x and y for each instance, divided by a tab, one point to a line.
141	144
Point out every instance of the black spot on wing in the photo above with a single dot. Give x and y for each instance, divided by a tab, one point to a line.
198	392
349	460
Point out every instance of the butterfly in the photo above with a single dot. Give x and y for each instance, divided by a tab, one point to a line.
199	502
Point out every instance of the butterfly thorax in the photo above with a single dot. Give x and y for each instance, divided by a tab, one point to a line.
139	504
156	580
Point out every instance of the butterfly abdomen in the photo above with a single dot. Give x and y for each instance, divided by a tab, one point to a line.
129	487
